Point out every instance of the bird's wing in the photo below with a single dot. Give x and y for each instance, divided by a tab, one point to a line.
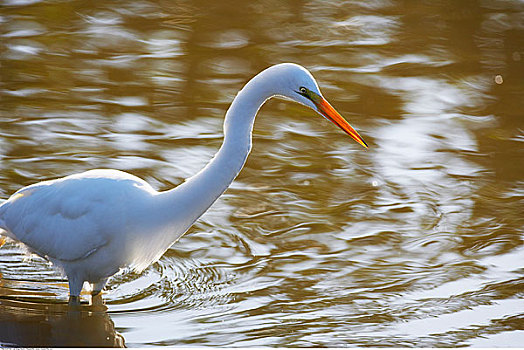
69	218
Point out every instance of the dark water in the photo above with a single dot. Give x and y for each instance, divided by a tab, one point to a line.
414	242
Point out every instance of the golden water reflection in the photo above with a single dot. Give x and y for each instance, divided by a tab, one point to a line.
414	242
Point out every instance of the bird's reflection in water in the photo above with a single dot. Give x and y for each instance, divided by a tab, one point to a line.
27	323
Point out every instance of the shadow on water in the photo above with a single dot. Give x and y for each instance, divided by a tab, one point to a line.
34	311
38	323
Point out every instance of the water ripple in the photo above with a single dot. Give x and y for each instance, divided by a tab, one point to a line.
416	241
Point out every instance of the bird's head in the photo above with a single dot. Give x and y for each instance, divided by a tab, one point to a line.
297	84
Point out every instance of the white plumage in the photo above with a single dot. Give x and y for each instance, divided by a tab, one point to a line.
94	223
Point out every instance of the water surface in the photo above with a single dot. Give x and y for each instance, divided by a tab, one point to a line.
414	242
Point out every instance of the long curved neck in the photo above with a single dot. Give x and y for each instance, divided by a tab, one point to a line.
191	199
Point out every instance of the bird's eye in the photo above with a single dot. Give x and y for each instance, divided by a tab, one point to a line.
303	90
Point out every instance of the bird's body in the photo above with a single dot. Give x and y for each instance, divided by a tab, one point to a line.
97	222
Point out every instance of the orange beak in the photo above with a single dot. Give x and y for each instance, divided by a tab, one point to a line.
331	114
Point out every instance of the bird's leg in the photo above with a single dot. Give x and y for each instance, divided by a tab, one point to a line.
98	286
75	287
96	293
97	300
74	300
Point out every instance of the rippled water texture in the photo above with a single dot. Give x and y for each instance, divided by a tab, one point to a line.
414	242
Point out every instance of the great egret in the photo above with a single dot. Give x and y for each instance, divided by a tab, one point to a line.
92	224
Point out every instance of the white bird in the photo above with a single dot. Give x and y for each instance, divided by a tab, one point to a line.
93	224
